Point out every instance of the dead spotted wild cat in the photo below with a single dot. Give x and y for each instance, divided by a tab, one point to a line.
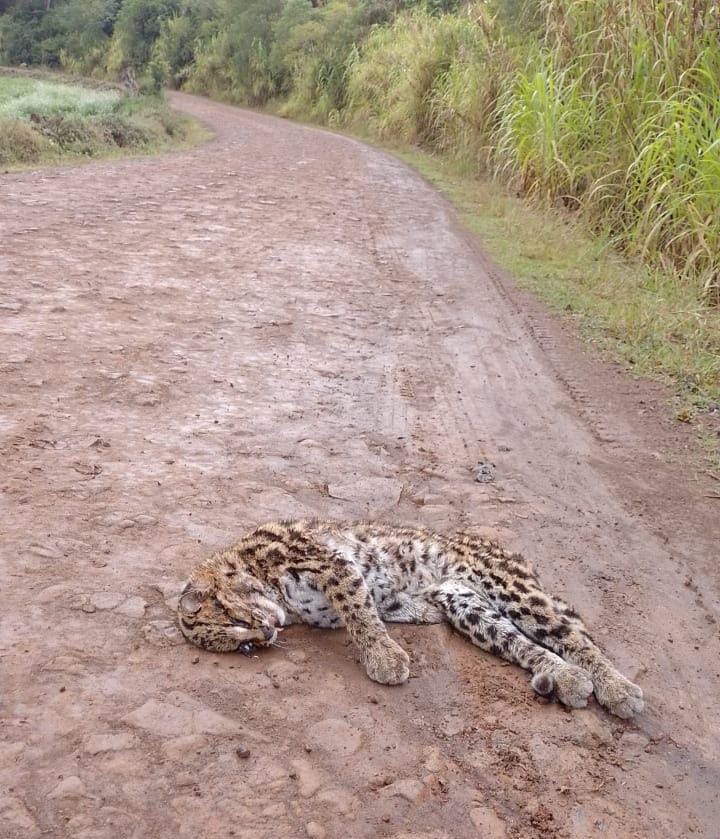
331	574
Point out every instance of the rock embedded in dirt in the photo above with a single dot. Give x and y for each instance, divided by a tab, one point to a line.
485	472
182	716
487	823
170	592
335	736
119	520
61	591
97	743
133	607
70	787
44	551
433	762
408	788
315	830
163	633
106	599
308	778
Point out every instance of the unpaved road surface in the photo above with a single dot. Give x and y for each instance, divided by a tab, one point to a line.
284	322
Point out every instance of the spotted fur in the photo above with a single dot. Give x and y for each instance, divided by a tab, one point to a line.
330	574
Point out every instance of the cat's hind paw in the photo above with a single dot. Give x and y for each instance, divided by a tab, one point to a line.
572	685
619	695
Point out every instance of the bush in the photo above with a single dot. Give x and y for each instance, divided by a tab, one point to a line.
122	132
19	143
67	131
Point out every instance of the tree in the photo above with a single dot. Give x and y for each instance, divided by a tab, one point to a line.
138	25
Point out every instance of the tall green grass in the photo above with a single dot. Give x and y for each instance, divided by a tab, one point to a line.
612	109
619	112
610	112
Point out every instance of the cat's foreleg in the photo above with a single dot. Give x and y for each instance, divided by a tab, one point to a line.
343	585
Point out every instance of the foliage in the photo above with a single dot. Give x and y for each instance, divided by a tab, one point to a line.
22	97
137	28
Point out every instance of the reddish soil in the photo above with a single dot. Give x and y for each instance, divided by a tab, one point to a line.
284	322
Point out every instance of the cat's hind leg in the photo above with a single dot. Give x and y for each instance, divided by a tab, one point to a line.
478	619
552	623
407	608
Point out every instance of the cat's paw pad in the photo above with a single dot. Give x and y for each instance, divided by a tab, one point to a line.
573	686
619	695
387	663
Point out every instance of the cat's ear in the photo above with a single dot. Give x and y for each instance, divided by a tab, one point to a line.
190	601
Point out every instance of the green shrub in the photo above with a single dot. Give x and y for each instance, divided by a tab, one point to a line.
122	132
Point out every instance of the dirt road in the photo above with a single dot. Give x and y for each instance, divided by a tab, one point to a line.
284	322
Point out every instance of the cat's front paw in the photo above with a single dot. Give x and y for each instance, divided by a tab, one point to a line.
619	695
387	662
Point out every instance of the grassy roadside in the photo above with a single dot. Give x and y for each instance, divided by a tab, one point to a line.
658	327
644	318
48	119
654	325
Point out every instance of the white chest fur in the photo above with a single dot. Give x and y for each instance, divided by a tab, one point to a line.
306	603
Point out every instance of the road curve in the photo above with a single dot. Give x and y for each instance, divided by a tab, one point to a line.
285	322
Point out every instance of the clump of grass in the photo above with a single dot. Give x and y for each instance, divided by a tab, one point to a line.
20	101
42	120
617	114
20	143
395	85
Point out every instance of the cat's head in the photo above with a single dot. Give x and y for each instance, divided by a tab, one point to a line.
225	612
